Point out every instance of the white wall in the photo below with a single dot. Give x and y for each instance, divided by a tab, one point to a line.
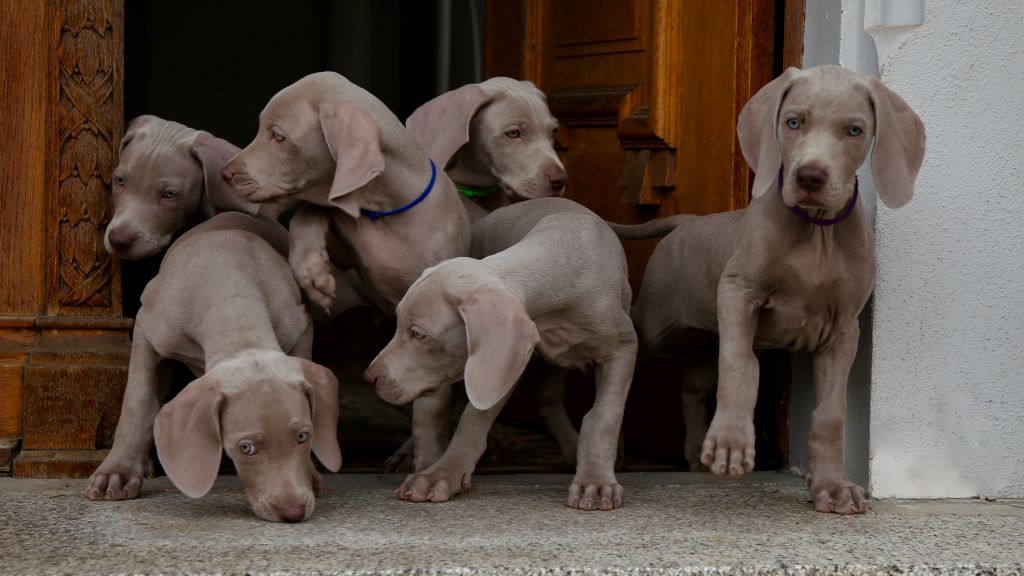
947	390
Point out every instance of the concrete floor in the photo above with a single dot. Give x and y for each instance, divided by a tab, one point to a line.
672	523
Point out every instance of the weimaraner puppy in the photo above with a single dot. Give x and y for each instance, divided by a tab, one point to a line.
555	284
495	140
226	305
795	268
394	212
167	179
495	136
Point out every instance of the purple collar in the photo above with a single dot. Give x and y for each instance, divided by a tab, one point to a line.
820	221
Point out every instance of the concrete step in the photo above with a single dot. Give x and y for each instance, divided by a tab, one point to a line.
672	523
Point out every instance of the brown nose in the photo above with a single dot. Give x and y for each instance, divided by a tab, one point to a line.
557	179
227	174
811	178
121	241
369	376
292	513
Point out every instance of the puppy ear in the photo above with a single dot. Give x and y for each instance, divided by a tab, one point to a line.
353	139
213	154
899	145
756	128
501	340
188	440
441	125
322	391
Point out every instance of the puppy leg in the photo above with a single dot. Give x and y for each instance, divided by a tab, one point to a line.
431	427
550	398
595	486
699	379
831	489
119	476
310	256
452	473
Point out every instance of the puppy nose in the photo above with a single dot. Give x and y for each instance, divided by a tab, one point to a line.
291	513
369	376
811	178
557	179
121	241
227	174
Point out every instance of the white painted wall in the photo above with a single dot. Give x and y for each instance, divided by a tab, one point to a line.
936	395
947	390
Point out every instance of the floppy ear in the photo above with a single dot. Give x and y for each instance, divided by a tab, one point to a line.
441	125
188	440
322	391
757	127
213	153
501	339
899	145
353	139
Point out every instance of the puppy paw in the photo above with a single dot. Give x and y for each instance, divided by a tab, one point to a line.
728	448
312	271
594	493
434	485
401	461
117	480
838	496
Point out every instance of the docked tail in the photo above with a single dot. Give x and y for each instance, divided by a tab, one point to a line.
654	228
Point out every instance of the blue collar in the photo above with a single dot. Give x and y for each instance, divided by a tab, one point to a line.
375	215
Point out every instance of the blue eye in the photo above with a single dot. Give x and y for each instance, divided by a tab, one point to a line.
303	437
793	123
855	131
168	194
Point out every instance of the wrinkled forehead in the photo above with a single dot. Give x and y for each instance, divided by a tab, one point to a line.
522	105
831	96
289	107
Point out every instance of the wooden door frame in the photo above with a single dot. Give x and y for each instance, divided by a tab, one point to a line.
63	340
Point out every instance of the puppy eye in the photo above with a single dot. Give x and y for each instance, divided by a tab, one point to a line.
513	133
793	123
168	194
247	448
277	136
119	180
303	437
417	334
855	131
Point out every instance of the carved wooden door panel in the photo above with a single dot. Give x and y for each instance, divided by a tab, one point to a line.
648	93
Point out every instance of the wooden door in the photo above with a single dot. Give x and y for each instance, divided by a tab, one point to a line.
648	93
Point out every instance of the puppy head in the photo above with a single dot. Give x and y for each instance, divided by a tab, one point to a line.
167	177
311	143
268	411
455	323
511	139
819	124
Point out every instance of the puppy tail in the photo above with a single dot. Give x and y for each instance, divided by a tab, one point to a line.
652	229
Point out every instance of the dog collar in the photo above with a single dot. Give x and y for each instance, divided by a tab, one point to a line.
375	215
471	192
824	221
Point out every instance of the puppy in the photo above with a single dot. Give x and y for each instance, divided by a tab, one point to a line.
226	305
556	283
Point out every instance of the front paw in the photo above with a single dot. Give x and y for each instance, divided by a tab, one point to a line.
117	480
312	271
729	446
594	493
434	485
838	496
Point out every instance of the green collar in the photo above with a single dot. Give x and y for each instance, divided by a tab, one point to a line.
471	192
